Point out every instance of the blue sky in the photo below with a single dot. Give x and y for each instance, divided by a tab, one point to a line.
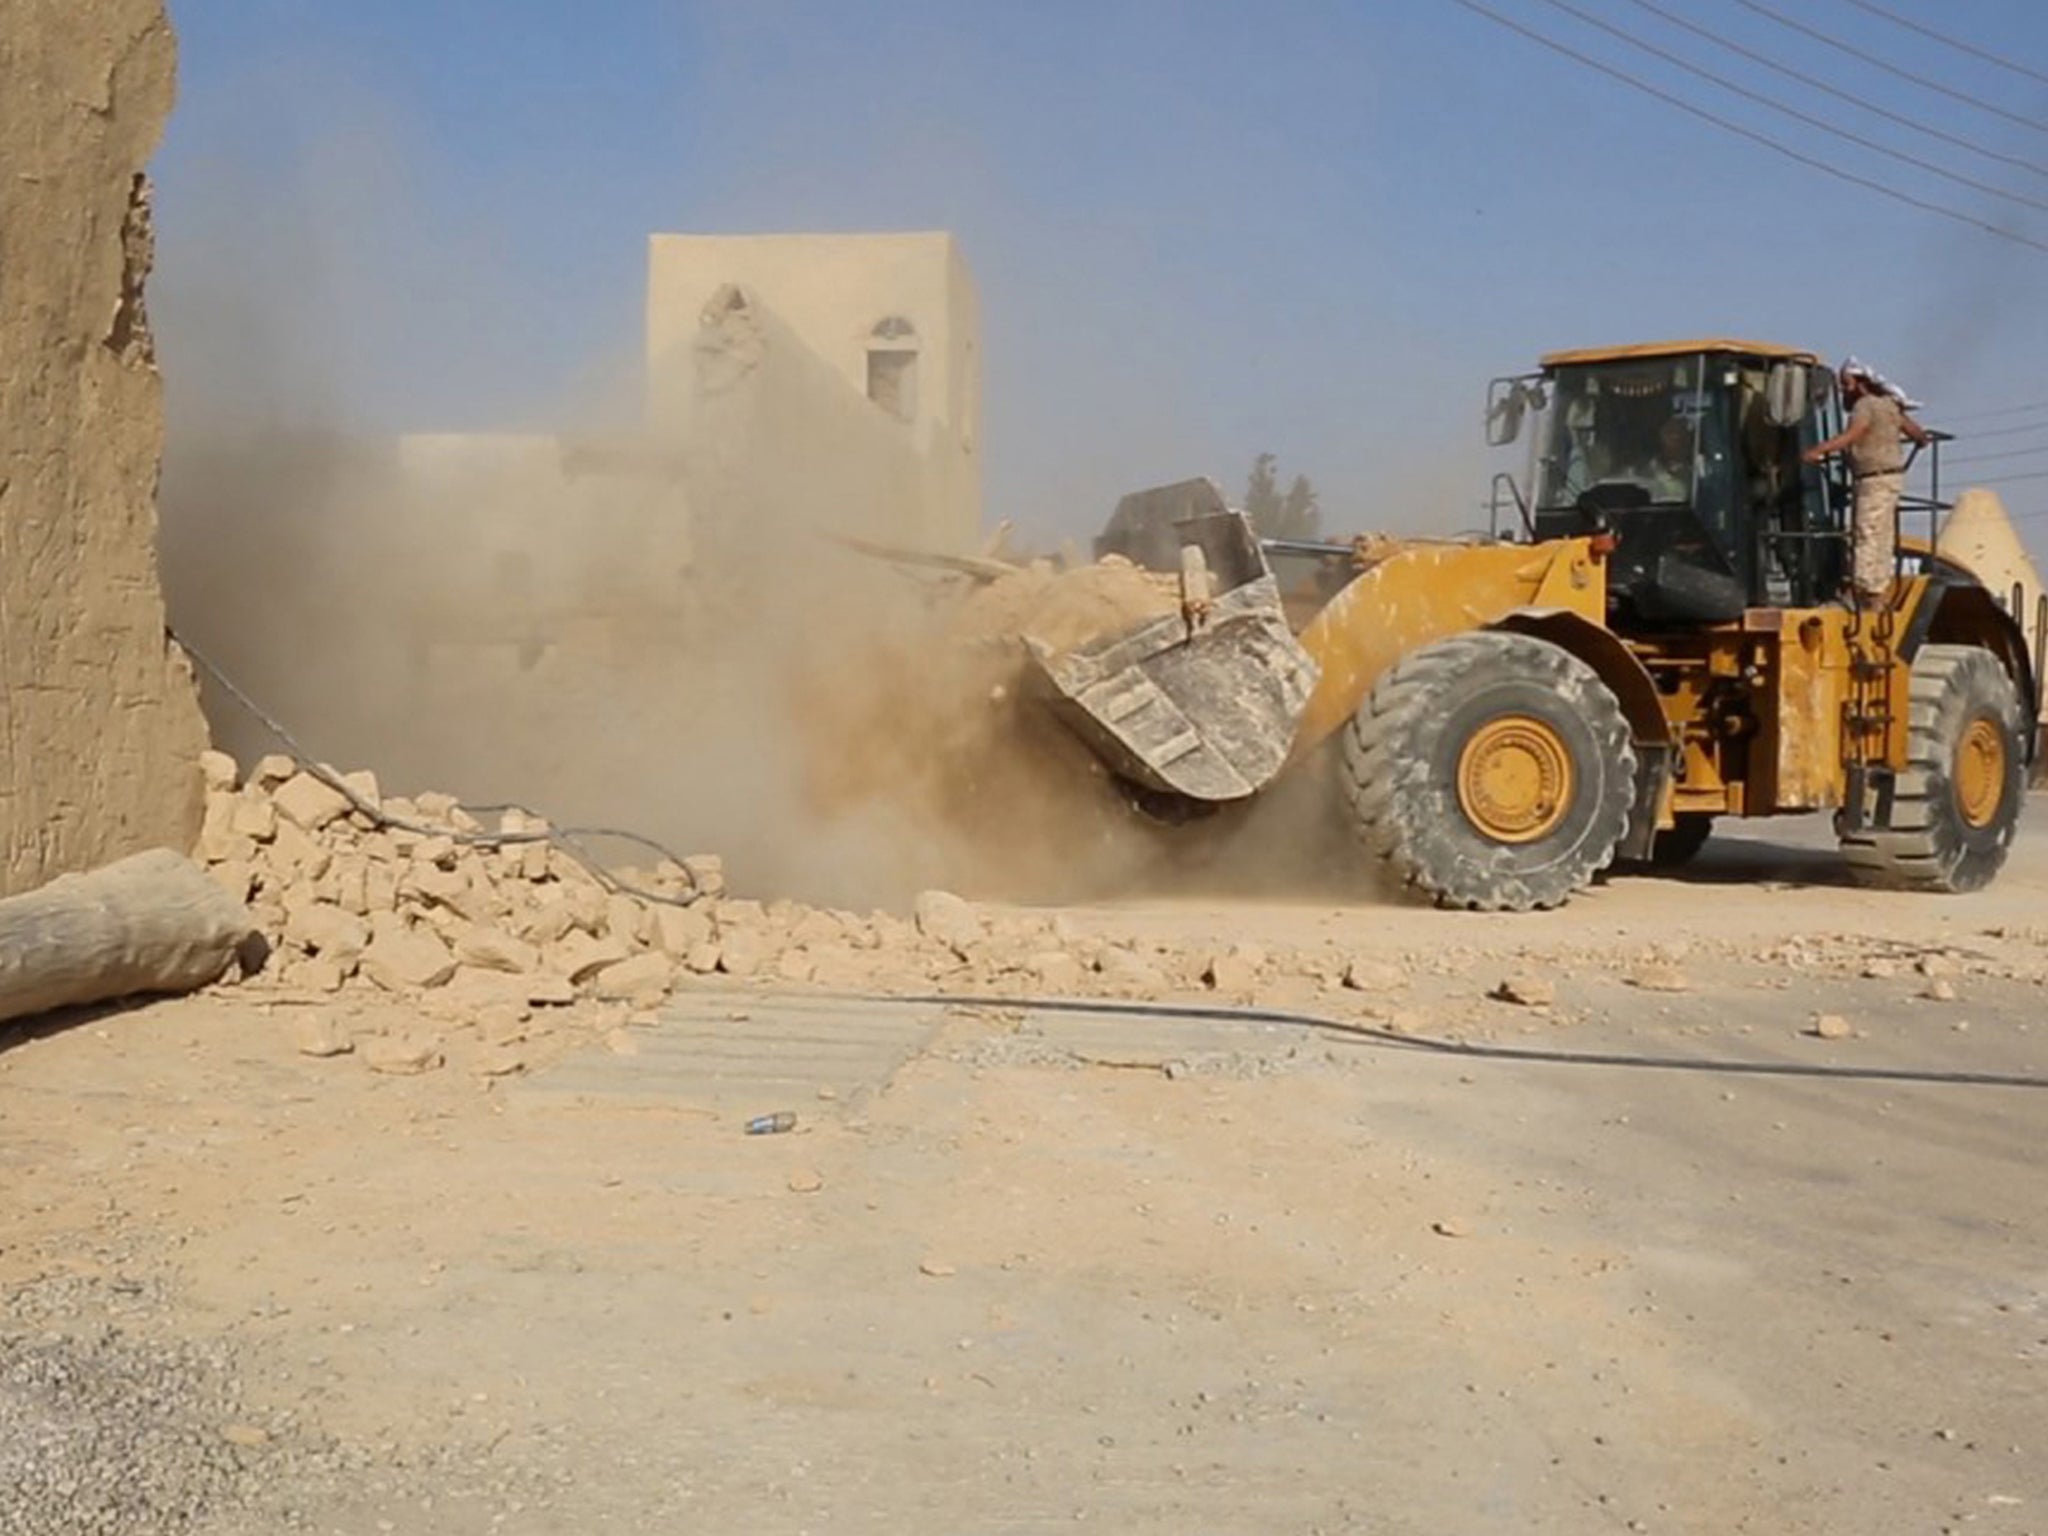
1200	230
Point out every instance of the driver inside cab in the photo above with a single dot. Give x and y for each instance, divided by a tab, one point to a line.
1669	473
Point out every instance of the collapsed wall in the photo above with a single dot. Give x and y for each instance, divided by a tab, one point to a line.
100	731
782	454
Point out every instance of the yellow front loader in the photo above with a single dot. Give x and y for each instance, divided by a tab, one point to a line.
1660	640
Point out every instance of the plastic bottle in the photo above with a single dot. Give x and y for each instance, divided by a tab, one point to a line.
772	1125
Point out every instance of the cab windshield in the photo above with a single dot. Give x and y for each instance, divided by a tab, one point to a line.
1650	424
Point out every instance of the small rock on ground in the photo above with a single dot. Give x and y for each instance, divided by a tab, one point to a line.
1525	991
400	1056
321	1037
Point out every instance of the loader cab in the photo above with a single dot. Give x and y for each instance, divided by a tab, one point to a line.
1688	455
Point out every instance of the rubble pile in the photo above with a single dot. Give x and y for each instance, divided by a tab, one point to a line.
410	896
412	917
418	903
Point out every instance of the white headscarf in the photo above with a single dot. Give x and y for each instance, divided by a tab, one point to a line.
1854	369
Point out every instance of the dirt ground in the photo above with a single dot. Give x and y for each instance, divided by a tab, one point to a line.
1648	1255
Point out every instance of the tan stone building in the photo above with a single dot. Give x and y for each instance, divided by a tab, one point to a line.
775	322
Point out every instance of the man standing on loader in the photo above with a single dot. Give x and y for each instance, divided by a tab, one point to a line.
1877	420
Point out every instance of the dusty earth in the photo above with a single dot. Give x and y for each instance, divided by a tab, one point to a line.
1735	1221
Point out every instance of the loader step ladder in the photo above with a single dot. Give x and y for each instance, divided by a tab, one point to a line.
1867	717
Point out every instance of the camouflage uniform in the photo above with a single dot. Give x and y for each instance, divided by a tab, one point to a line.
1878	461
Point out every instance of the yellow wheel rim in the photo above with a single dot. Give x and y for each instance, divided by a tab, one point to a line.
1515	779
1980	772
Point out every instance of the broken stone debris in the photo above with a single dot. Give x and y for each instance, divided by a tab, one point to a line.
322	1036
1659	978
400	1055
349	900
1373	976
1525	992
368	896
1236	972
948	919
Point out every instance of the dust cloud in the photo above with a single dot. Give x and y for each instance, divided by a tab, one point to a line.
614	622
839	730
606	627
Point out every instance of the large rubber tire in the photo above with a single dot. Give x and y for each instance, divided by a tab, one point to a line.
1402	764
1962	700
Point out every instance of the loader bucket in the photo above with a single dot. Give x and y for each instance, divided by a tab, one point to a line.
1204	702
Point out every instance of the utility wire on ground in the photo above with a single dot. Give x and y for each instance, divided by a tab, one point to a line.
1862	104
1368	1034
569	839
1730	126
1763	99
1771	14
1892	16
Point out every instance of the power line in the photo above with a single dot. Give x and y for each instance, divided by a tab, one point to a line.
2034	474
1751	134
1952	42
2006	410
1814	82
1678	62
1892	69
2008	453
2025	426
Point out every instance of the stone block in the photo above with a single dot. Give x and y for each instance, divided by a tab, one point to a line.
627	918
309	803
679	930
272	769
638	979
578	956
496	950
946	919
407	960
218	771
707	874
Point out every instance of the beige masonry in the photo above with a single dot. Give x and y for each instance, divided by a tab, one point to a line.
894	317
100	731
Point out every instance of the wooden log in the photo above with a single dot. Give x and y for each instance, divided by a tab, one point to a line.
155	922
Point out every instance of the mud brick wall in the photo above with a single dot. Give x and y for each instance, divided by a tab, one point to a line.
100	730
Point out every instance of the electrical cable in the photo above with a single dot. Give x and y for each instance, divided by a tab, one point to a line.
1367	1034
2014	431
2015	479
1764	100
1950	42
1814	82
2003	411
1872	59
569	839
1751	134
1986	458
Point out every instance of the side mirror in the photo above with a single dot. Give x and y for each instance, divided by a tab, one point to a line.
1788	394
1507	401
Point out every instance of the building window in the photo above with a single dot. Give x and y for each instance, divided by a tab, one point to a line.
892	367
